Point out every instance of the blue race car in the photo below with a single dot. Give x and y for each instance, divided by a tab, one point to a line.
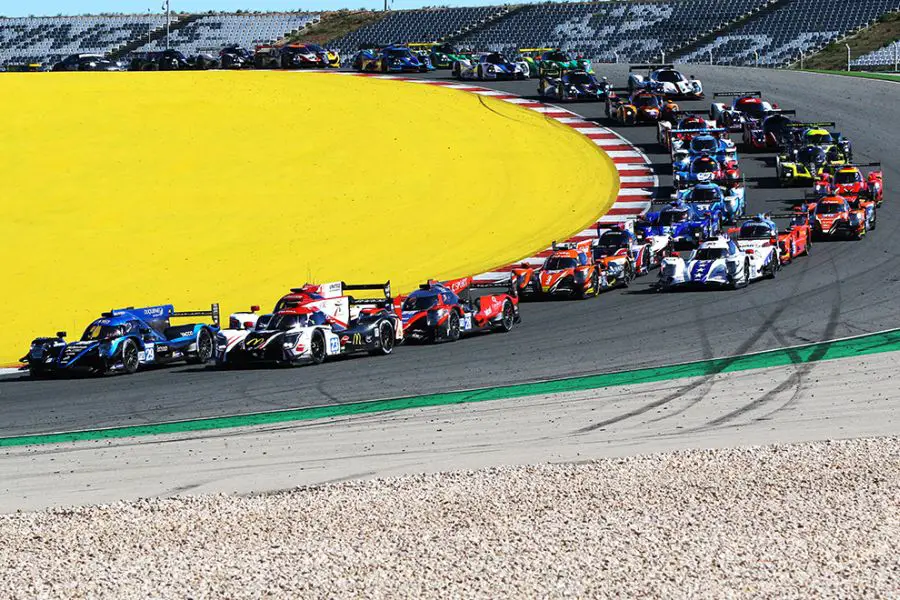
686	226
712	198
124	339
707	169
391	59
703	143
573	85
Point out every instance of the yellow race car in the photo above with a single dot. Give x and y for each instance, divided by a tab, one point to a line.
532	56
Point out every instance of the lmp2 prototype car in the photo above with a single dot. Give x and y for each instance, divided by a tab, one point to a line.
442	55
681	223
489	66
573	85
87	62
711	142
389	59
718	262
620	239
713	198
762	231
744	107
833	217
443	311
125	339
707	169
554	62
664	80
532	58
805	165
641	107
569	271
768	133
235	57
674	132
850	182
311	324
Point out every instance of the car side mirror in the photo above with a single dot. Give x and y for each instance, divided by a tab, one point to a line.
60	334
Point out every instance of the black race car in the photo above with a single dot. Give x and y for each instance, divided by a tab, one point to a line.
87	62
235	57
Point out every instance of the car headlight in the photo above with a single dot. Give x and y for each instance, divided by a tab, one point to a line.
290	340
105	348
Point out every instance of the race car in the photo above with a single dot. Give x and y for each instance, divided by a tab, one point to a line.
569	271
310	325
389	59
235	57
719	262
640	108
553	62
712	198
489	66
573	85
84	62
532	58
745	106
805	165
442	55
331	58
685	123
714	143
125	339
621	240
302	56
850	182
664	80
443	311
707	169
162	60
768	133
833	217
760	235
836	146
681	223
266	56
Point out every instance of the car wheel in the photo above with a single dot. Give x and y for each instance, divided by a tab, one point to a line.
772	268
595	287
628	275
508	317
386	339
204	348
451	332
874	222
130	360
480	73
37	372
317	347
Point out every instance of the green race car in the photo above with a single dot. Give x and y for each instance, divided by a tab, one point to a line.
532	57
442	54
553	62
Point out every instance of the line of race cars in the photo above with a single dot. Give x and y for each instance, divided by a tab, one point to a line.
699	237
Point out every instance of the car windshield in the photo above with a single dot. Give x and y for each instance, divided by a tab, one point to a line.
845	177
670	217
692	124
495	59
668	76
704	194
397	52
581	79
96	332
755	230
811	154
645	100
558	263
315	48
704	144
711	253
284	322
775	124
829	208
705	166
616	239
818	138
420	302
556	56
752	109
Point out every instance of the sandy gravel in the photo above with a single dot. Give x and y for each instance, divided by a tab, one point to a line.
819	519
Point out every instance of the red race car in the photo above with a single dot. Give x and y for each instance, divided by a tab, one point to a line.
443	311
568	271
642	107
832	216
768	133
850	182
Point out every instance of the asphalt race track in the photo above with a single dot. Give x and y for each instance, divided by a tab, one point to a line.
844	288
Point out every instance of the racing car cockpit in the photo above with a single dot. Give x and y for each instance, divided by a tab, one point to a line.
420	301
96	332
669	76
288	321
830	208
776	125
812	156
704	164
672	216
705	194
704	143
756	229
645	100
612	241
561	263
710	254
818	137
848	177
556	56
495	58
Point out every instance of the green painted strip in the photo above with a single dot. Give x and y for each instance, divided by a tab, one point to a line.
882	76
888	341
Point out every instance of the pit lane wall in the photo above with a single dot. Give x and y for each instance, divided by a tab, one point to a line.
136	189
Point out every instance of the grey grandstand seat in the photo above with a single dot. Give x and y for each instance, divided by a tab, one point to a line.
886	56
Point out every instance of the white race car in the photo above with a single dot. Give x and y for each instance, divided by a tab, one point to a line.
490	66
664	80
744	107
719	262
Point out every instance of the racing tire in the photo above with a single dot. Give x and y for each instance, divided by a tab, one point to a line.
595	287
317	347
772	269
130	359
745	278
452	333
37	372
628	275
386	336
480	72
205	348
507	318
808	248
874	222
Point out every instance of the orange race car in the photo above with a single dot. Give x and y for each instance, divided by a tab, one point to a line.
832	216
568	271
641	107
850	182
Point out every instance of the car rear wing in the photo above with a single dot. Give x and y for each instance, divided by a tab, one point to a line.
707	131
782	111
385	288
754	94
164	311
507	283
212	313
822	125
649	67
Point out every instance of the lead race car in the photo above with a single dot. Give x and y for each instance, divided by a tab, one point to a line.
665	80
444	311
125	339
311	324
718	262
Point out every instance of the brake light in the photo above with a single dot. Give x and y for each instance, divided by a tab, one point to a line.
748	251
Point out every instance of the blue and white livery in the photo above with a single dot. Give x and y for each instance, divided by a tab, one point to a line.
719	262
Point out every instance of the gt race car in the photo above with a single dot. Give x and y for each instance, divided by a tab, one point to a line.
312	324
664	80
640	108
719	262
574	86
569	272
125	339
444	311
744	107
489	66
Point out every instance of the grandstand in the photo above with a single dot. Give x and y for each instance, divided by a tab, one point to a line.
211	33
883	57
631	31
796	26
40	39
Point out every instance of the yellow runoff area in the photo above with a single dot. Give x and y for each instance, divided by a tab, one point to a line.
134	189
